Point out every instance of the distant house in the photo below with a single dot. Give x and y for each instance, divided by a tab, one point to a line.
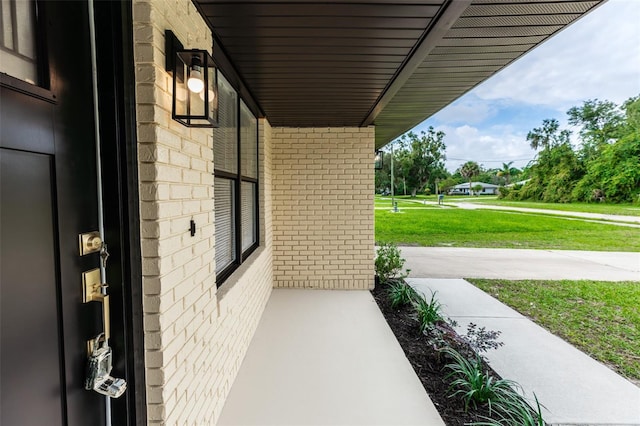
463	189
519	183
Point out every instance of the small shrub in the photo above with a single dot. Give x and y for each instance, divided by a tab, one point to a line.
514	410
442	335
470	382
428	313
401	294
507	405
389	264
480	339
503	192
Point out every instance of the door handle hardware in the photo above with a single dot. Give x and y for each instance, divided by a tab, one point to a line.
99	355
90	242
92	291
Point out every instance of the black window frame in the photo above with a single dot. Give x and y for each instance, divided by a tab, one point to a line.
42	88
237	178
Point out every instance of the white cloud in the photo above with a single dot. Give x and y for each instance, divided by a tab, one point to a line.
490	147
468	109
597	57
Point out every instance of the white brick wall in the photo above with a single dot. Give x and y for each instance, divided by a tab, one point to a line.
316	229
195	334
323	207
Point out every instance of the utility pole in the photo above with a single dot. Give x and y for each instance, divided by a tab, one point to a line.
393	195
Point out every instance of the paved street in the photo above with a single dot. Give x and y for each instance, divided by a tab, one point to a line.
448	262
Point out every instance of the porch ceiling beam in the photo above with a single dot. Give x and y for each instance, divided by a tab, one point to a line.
438	27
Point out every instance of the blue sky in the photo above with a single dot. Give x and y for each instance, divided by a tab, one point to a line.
598	57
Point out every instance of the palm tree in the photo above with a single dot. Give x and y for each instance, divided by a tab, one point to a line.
506	171
468	171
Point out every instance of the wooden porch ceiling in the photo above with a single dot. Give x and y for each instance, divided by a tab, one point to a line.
361	62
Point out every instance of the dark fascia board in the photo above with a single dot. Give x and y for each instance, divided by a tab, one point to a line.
447	16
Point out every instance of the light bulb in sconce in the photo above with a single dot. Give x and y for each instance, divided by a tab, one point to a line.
195	82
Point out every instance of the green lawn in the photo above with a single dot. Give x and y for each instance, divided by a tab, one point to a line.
387	203
600	318
618	209
453	227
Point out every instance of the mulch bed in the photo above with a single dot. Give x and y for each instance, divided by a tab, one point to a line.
427	363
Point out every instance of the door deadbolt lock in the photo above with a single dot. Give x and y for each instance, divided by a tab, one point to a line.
90	242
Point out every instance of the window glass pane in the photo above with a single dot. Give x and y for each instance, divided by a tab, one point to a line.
225	227
18	40
248	142
225	137
248	211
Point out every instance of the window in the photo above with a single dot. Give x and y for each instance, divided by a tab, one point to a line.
248	176
236	181
18	40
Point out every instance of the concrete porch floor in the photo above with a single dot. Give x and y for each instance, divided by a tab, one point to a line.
323	357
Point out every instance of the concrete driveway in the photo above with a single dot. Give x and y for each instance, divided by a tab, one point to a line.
448	262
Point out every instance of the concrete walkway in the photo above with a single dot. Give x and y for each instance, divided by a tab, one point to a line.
326	358
596	216
574	388
449	262
474	206
632	221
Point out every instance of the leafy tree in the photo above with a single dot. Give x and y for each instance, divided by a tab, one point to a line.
439	175
505	192
421	159
446	184
557	169
632	115
478	188
488	176
614	175
600	122
468	171
548	136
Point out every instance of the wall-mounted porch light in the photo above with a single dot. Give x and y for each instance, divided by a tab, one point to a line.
195	84
378	160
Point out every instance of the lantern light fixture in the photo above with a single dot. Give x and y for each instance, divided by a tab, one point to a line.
195	84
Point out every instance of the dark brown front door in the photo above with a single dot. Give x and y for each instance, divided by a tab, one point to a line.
48	196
